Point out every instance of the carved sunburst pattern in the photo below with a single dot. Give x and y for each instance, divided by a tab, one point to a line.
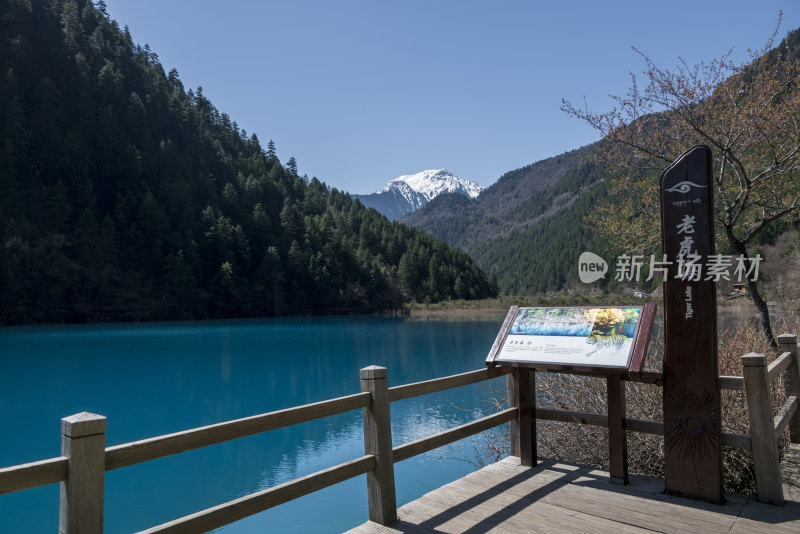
690	423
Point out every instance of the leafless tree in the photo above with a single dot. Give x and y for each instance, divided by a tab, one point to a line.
748	113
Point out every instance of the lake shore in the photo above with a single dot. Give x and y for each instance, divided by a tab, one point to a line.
500	305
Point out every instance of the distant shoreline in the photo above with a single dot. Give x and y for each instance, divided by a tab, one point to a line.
502	304
493	308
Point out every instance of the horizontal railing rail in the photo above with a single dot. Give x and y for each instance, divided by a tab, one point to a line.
647	377
785	414
440	439
158	447
643	426
778	366
436	385
226	513
32	475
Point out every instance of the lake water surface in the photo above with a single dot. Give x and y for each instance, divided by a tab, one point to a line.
152	379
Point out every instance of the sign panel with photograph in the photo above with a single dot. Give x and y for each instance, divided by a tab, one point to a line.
579	337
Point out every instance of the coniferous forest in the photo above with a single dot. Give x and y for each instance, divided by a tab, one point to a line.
125	196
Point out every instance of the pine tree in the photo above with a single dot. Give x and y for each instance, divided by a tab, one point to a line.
291	166
271	155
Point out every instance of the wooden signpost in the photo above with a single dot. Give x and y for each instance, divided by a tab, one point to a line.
692	419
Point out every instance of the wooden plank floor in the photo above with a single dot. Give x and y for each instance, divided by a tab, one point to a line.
790	472
554	498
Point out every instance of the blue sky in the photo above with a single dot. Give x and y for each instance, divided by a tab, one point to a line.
362	92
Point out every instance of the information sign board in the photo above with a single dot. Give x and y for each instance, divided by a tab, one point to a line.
594	338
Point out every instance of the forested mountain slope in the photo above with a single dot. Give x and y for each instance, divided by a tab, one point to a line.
125	196
527	228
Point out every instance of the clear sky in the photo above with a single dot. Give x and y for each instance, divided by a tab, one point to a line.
360	92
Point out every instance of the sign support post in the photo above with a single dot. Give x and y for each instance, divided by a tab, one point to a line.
692	414
617	439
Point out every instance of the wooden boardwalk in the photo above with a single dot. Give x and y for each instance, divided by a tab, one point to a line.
790	473
554	498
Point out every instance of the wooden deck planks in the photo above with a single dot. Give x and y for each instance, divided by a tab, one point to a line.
790	471
506	512
506	498
585	494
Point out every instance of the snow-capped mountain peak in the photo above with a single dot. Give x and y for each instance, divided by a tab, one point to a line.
432	183
408	193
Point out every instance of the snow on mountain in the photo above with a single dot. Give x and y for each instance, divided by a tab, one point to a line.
408	193
431	184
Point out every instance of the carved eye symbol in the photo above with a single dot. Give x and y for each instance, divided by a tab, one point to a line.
683	187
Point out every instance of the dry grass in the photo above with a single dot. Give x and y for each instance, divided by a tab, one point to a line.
587	445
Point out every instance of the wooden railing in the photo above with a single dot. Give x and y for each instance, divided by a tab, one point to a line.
765	429
85	457
729	439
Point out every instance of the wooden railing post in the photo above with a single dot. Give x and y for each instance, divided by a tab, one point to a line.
762	431
617	437
83	442
522	395
378	442
788	343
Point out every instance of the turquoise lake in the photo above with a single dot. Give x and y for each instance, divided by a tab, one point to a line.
150	379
